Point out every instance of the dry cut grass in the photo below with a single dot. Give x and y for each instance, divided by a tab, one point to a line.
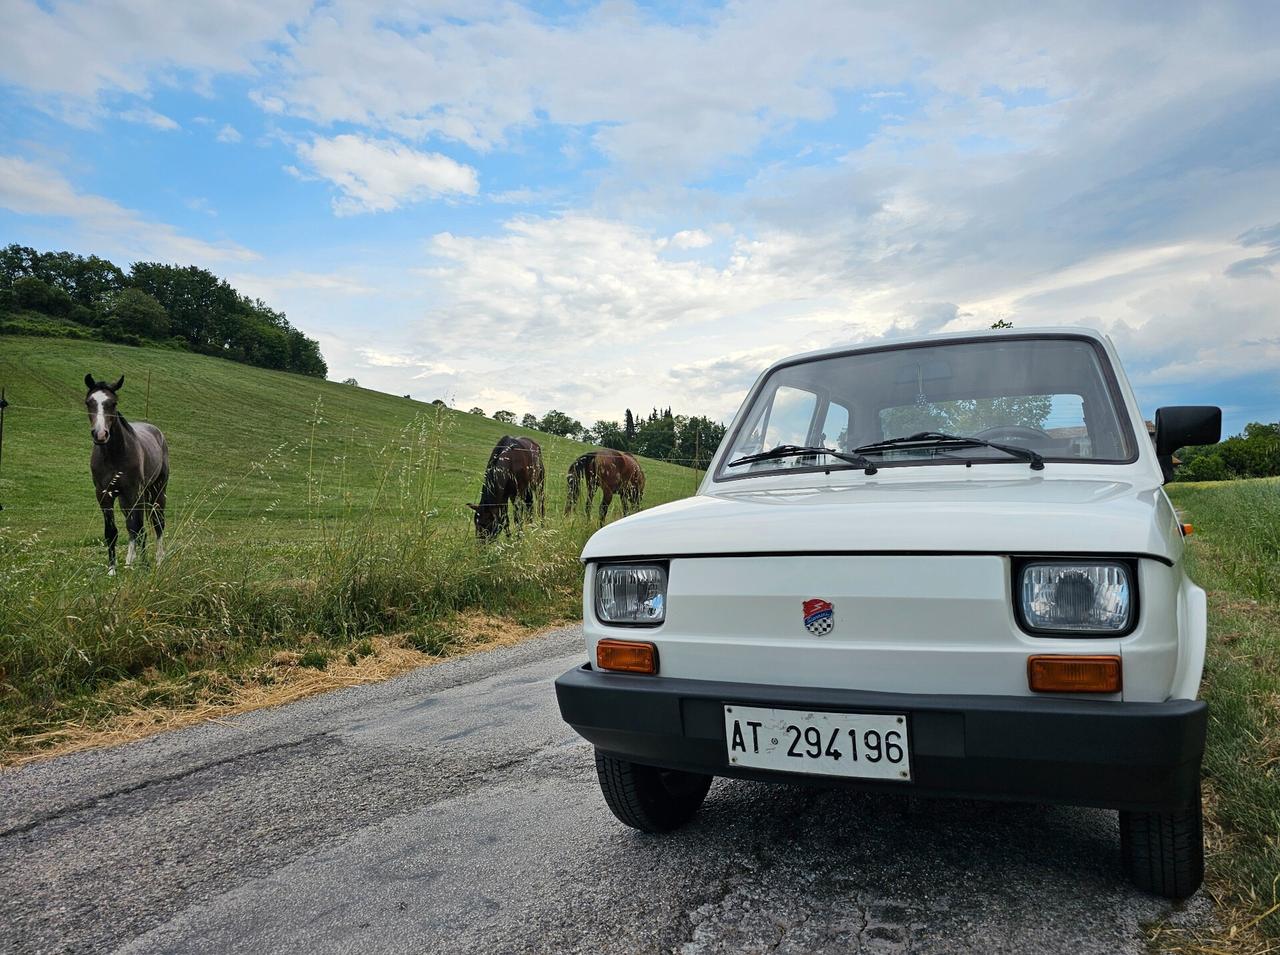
284	678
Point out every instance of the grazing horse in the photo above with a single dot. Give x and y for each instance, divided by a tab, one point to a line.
614	472
513	475
130	465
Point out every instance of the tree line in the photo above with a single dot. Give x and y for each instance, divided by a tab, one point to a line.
1253	453
73	296
687	439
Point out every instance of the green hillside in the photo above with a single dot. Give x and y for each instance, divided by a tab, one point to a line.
290	450
305	517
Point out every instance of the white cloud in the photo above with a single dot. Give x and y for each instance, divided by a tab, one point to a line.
378	175
79	49
1042	164
272	286
33	190
149	117
229	134
691	239
659	96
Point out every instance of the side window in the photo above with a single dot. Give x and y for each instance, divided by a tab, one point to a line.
835	427
789	417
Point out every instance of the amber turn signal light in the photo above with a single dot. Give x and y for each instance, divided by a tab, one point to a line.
1074	674
629	656
1187	530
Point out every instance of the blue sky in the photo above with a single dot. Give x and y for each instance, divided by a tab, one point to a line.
593	206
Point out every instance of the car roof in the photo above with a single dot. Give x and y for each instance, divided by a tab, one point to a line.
1050	331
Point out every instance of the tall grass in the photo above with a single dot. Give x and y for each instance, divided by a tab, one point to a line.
397	561
1235	555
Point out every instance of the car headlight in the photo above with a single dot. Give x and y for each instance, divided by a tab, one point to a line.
1079	597
634	594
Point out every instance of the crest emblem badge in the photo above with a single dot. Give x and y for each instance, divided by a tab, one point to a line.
819	616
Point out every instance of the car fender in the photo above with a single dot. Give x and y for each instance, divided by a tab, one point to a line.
1193	627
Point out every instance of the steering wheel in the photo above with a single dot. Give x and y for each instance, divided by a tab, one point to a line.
1014	432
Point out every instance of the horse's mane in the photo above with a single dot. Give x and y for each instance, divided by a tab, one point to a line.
487	489
580	465
506	441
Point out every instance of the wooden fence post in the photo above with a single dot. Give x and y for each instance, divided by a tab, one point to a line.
3	404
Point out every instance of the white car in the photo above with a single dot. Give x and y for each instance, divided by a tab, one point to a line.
943	566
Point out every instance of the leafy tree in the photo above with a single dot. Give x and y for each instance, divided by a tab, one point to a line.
134	312
656	438
350	381
529	421
479	411
36	295
697	439
89	282
966	415
305	357
506	417
1001	323
609	434
1255	452
557	422
629	426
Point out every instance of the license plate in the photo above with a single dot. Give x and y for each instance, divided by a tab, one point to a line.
859	745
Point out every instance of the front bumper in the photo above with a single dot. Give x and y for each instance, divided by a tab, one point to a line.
1136	756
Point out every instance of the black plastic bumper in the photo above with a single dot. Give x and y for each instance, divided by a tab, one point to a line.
1139	756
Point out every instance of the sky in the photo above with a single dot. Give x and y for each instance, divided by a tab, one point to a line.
595	206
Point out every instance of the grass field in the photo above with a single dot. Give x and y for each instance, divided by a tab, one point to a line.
1235	555
303	516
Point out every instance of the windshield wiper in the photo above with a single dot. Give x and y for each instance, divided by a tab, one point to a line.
796	450
938	439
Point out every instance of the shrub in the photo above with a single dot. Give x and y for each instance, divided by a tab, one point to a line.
316	659
37	296
136	313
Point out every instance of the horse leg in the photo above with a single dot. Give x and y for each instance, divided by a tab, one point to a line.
134	521
157	524
606	496
591	493
110	534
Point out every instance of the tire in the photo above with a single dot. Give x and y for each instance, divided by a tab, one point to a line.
648	798
1164	851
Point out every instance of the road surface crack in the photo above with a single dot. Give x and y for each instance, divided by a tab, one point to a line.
109	795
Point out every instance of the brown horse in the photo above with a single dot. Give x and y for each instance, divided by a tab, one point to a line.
515	476
613	472
130	466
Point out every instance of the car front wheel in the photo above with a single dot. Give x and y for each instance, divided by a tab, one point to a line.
1164	851
648	798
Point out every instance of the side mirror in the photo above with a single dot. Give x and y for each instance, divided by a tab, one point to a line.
1183	426
1186	425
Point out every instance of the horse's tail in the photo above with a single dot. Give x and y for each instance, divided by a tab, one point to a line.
574	478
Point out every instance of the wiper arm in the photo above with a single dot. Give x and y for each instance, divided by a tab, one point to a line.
939	439
796	450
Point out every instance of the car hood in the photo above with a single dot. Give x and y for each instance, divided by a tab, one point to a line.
1033	515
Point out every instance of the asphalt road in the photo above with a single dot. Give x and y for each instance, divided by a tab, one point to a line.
450	810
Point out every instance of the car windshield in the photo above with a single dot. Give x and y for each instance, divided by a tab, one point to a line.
1055	396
